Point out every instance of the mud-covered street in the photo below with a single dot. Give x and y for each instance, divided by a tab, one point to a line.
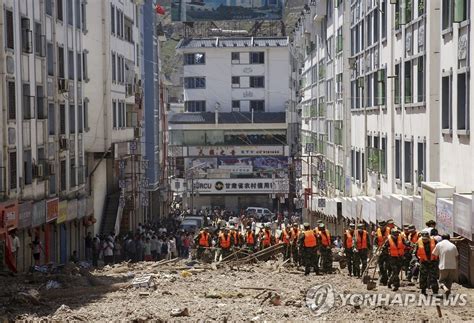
188	291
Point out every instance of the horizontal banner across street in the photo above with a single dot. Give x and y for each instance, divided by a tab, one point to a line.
241	186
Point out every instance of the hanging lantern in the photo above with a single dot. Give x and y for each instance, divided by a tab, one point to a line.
160	10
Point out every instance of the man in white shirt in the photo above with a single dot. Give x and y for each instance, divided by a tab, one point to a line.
448	262
430	225
15	245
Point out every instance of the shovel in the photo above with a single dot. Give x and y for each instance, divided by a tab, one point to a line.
371	284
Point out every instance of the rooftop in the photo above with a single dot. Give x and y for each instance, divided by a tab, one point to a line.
223	42
228	117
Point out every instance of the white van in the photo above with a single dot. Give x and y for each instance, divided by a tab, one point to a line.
261	214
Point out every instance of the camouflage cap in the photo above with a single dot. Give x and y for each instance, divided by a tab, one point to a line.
321	225
390	221
382	223
295	224
411	227
306	225
352	225
360	226
425	234
395	231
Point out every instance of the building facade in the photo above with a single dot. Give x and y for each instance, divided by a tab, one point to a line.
113	95
42	160
231	146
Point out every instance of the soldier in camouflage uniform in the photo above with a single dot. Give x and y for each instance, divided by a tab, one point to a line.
381	235
349	247
325	250
428	263
361	252
395	249
308	242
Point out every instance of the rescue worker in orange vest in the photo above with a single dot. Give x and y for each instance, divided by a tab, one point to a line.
381	235
308	243
428	263
325	248
266	237
413	237
349	247
250	239
361	252
395	246
236	237
285	237
295	233
316	232
203	240
225	243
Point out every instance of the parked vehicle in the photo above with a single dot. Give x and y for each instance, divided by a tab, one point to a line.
260	213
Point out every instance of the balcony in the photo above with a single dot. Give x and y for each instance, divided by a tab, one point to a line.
321	10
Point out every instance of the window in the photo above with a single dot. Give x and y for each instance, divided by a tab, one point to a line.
41	160
69	13
408	82
446	106
114	114
128	26
12	169
339	44
50	58
380	97
70	64
369	29
398	158
63	175
49	7
112	19
397	84
27	167
357	170
195	106
408	161
364	170
26	36
421	163
78	13
447	14
61	62
194	82
235	106
83	16
353	163
11	100
383	156
72	119
51	120
86	114
421	7
195	59
40	49
257	57
59	10
461	11
26	102
421	80
62	119
235	81
376	26
369	99
52	184
257	81
40	103
80	114
463	101
257	105
408	10
384	18
114	68
235	56
79	66
9	35
72	173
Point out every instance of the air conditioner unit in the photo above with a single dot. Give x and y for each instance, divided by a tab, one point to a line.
63	85
63	143
39	170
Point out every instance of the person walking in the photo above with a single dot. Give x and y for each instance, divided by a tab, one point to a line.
428	263
88	246
361	251
325	248
147	250
395	245
36	248
448	256
108	251
308	242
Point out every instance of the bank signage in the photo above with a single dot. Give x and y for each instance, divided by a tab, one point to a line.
236	151
241	186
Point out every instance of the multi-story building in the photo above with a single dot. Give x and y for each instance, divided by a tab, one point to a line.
231	145
319	37
42	166
113	96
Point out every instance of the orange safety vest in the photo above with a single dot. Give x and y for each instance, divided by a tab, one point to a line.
204	239
380	236
250	239
325	238
349	240
309	239
236	237
224	242
414	237
295	234
285	237
398	249
362	243
421	252
267	239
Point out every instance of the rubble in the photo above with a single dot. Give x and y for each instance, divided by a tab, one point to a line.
214	292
